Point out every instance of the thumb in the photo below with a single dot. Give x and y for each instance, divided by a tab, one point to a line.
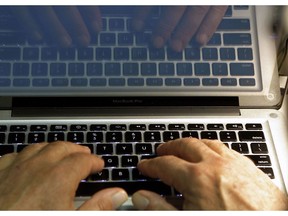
107	199
146	200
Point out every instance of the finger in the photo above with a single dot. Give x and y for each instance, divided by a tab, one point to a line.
51	25
146	200
92	17
165	167
190	149
166	24
30	151
210	24
217	146
79	165
56	151
74	24
6	160
27	23
188	26
141	14
107	199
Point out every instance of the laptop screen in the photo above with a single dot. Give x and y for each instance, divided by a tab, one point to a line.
131	51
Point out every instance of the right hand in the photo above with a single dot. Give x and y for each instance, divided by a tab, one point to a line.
210	177
63	25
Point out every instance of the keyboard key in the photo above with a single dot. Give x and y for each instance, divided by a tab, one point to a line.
166	69
234	127
9	53
31	53
18	128
76	69
67	54
116	82
227	54
85	53
251	136
210	82
94	137
245	53
196	127
94	69
118	127
48	53
242	69
253	127
6	149
36	137
3	128
139	54
21	82
156	54
192	53
56	136
176	127
112	69
143	148
98	82
215	40
2	138
121	54
98	127
137	127
247	82
260	160
78	127
237	39
152	136
173	82
268	171
16	138
21	147
135	81
100	176
157	127
11	38
5	69
90	188
58	69
202	69
184	69
125	39
111	161
234	24
130	69
76	137
215	127
191	82
229	82
120	174
107	39
116	24
124	148
129	161
209	53
20	69
58	127
173	55
103	54
39	69
133	136
209	135
148	69
170	135
114	137
190	134
219	69
102	149
259	148
240	147
154	82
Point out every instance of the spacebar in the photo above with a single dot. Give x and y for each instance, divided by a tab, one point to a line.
89	188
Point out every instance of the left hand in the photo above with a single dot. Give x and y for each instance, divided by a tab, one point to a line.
178	24
45	177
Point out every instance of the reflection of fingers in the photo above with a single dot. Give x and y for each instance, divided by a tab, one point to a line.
188	26
7	160
146	200
74	24
166	24
210	23
165	167
52	25
107	199
27	22
92	17
141	13
190	149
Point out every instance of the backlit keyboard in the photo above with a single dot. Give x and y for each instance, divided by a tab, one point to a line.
123	145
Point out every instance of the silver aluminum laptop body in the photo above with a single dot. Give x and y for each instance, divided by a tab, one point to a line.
177	105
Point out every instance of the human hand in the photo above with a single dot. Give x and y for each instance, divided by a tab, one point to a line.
62	25
178	24
46	176
210	177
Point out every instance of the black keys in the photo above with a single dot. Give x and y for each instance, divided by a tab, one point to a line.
251	136
15	138
260	160
6	149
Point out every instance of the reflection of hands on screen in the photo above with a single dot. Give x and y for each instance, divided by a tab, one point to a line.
62	25
178	24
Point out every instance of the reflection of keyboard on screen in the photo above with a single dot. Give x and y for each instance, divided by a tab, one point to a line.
123	145
118	59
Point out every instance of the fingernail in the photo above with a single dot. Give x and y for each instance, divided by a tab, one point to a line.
138	25
202	39
140	201
119	198
158	41
176	45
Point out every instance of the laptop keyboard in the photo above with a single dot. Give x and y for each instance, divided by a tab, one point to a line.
122	146
120	60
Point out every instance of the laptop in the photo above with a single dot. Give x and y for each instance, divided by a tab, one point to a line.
122	98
